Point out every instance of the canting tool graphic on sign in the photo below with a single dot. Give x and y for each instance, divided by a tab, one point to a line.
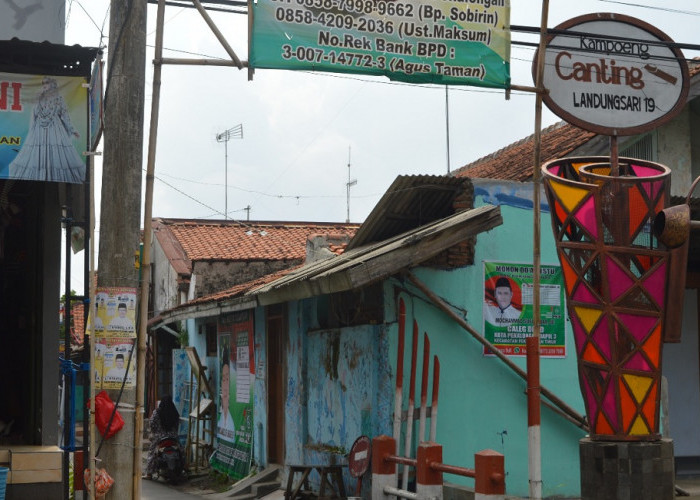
428	41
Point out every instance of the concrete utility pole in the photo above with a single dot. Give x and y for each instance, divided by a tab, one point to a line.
121	202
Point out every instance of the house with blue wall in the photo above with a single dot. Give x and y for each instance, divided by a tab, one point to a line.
326	334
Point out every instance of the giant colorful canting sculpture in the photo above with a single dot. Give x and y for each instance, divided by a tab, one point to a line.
616	273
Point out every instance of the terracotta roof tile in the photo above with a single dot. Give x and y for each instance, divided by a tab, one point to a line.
231	240
239	289
514	162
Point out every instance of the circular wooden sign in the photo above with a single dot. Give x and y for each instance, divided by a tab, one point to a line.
613	74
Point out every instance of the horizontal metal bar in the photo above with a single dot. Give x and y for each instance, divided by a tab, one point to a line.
390	490
452	469
400	460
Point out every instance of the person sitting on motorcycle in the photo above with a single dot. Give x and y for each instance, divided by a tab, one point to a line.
164	423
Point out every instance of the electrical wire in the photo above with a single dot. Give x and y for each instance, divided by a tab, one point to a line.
652	7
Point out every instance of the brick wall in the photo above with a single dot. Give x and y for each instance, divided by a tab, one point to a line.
461	254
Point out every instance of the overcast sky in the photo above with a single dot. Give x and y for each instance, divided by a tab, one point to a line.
299	127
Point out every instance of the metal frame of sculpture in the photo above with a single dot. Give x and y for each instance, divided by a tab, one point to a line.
616	273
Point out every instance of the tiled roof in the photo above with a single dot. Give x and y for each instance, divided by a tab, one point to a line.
515	162
245	241
239	289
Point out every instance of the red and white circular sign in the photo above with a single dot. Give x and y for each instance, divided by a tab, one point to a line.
613	74
358	459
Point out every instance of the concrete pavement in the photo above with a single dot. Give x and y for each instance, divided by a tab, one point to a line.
157	490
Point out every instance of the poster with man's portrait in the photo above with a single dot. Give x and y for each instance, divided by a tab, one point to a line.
507	308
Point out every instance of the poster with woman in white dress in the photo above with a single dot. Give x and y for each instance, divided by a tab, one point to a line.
45	125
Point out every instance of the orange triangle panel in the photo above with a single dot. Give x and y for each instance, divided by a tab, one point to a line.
570	276
602	425
638	210
570	196
652	346
591	354
559	212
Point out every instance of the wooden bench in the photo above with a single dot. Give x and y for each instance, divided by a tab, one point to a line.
329	474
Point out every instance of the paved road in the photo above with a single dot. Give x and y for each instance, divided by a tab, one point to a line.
156	490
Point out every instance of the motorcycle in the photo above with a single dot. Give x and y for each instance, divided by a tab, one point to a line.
170	463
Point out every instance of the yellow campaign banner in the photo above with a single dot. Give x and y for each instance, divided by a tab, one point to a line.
116	312
114	316
111	361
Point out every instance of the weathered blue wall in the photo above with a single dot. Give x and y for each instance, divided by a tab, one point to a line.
482	402
338	388
260	390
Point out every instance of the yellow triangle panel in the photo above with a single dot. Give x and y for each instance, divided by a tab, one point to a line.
638	385
569	196
588	317
639	428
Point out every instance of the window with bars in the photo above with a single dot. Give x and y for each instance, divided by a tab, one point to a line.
642	148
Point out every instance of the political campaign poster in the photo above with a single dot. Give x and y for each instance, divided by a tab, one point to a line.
234	428
43	127
116	312
507	308
111	361
423	41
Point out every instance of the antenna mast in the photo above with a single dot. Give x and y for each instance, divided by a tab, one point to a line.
350	183
225	136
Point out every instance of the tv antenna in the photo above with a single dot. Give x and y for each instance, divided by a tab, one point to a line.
348	185
225	136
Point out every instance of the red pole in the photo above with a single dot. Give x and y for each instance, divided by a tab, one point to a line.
434	405
424	388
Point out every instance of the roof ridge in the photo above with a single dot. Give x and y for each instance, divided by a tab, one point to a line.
512	145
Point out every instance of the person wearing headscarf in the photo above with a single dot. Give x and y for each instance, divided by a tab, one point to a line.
47	153
164	423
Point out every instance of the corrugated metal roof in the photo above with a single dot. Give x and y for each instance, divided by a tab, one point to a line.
364	265
23	56
411	201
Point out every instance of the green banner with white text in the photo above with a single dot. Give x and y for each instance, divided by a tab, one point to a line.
234	427
455	42
507	308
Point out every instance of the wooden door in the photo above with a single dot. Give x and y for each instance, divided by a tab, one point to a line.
276	327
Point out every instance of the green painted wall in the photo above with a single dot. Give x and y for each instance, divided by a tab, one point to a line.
482	402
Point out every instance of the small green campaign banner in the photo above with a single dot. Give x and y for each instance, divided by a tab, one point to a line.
508	293
234	429
455	42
